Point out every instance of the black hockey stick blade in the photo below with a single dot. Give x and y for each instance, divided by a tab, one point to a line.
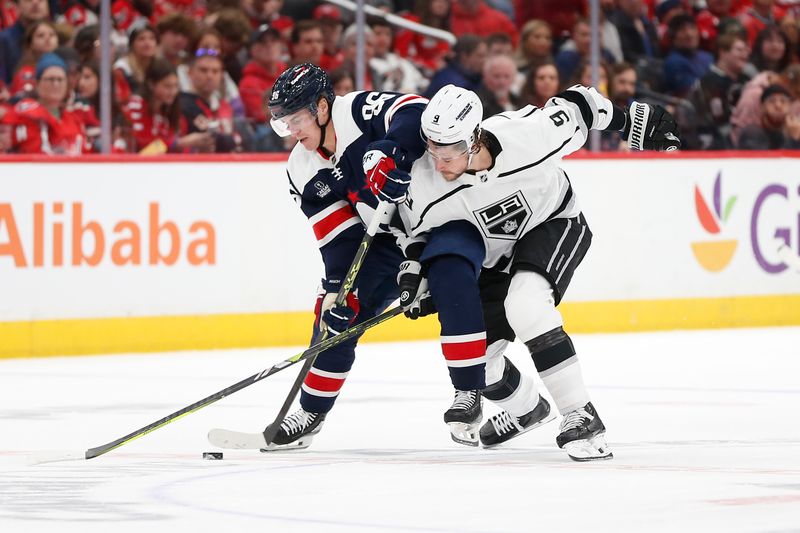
91	453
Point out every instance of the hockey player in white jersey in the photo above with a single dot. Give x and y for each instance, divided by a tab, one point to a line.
491	198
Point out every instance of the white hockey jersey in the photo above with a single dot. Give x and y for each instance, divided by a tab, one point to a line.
524	187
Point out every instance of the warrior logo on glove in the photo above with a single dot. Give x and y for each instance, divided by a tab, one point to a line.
651	127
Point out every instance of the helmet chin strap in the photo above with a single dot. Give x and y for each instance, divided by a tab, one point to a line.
323	128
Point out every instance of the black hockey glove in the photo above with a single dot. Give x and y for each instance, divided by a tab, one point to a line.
651	127
335	318
415	298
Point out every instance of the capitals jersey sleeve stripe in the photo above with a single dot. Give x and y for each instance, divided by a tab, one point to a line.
399	103
332	221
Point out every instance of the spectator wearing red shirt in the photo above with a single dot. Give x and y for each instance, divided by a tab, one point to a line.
8	13
45	124
40	38
268	12
129	70
708	21
260	73
763	13
306	44
427	53
559	14
330	20
475	17
155	116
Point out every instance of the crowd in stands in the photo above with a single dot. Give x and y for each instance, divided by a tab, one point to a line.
190	76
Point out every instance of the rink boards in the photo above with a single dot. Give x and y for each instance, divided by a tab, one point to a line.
124	255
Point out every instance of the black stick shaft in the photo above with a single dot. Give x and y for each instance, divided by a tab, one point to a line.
347	285
255	378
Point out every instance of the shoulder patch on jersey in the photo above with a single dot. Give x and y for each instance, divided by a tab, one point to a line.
505	219
322	188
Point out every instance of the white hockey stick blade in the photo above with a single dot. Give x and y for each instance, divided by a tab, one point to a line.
788	256
236	440
53	456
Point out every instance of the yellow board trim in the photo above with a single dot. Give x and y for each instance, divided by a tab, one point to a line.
42	338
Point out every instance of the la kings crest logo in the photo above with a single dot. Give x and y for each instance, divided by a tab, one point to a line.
504	219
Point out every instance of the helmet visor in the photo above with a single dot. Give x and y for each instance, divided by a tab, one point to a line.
448	152
297	121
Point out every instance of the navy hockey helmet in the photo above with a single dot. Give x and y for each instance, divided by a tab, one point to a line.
300	87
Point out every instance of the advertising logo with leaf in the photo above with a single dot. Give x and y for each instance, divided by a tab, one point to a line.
714	254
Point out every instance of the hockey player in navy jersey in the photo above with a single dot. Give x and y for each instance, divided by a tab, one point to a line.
351	152
505	235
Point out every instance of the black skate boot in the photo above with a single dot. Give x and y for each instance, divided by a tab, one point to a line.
504	426
297	431
583	435
464	417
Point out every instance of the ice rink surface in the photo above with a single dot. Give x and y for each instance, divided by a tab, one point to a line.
704	425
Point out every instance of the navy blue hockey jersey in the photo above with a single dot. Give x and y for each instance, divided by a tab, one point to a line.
332	192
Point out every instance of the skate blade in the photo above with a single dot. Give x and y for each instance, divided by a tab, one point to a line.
300	444
463	433
549	418
593	449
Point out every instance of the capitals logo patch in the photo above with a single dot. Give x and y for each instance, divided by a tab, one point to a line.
504	219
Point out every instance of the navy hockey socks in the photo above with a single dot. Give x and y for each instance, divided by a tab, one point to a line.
455	292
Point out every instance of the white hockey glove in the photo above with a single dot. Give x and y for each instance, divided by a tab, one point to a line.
415	298
651	127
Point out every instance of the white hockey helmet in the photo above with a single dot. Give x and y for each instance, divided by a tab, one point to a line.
453	118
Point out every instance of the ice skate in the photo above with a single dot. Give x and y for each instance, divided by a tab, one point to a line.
503	426
464	417
297	431
583	435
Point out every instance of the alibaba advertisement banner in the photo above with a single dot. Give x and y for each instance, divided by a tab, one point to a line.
137	239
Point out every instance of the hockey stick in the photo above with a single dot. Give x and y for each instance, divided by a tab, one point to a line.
396	20
382	214
787	256
91	453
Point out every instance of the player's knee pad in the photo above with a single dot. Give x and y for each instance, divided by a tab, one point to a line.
530	307
550	349
495	361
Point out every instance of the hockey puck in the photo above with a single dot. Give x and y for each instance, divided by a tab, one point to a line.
214	456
